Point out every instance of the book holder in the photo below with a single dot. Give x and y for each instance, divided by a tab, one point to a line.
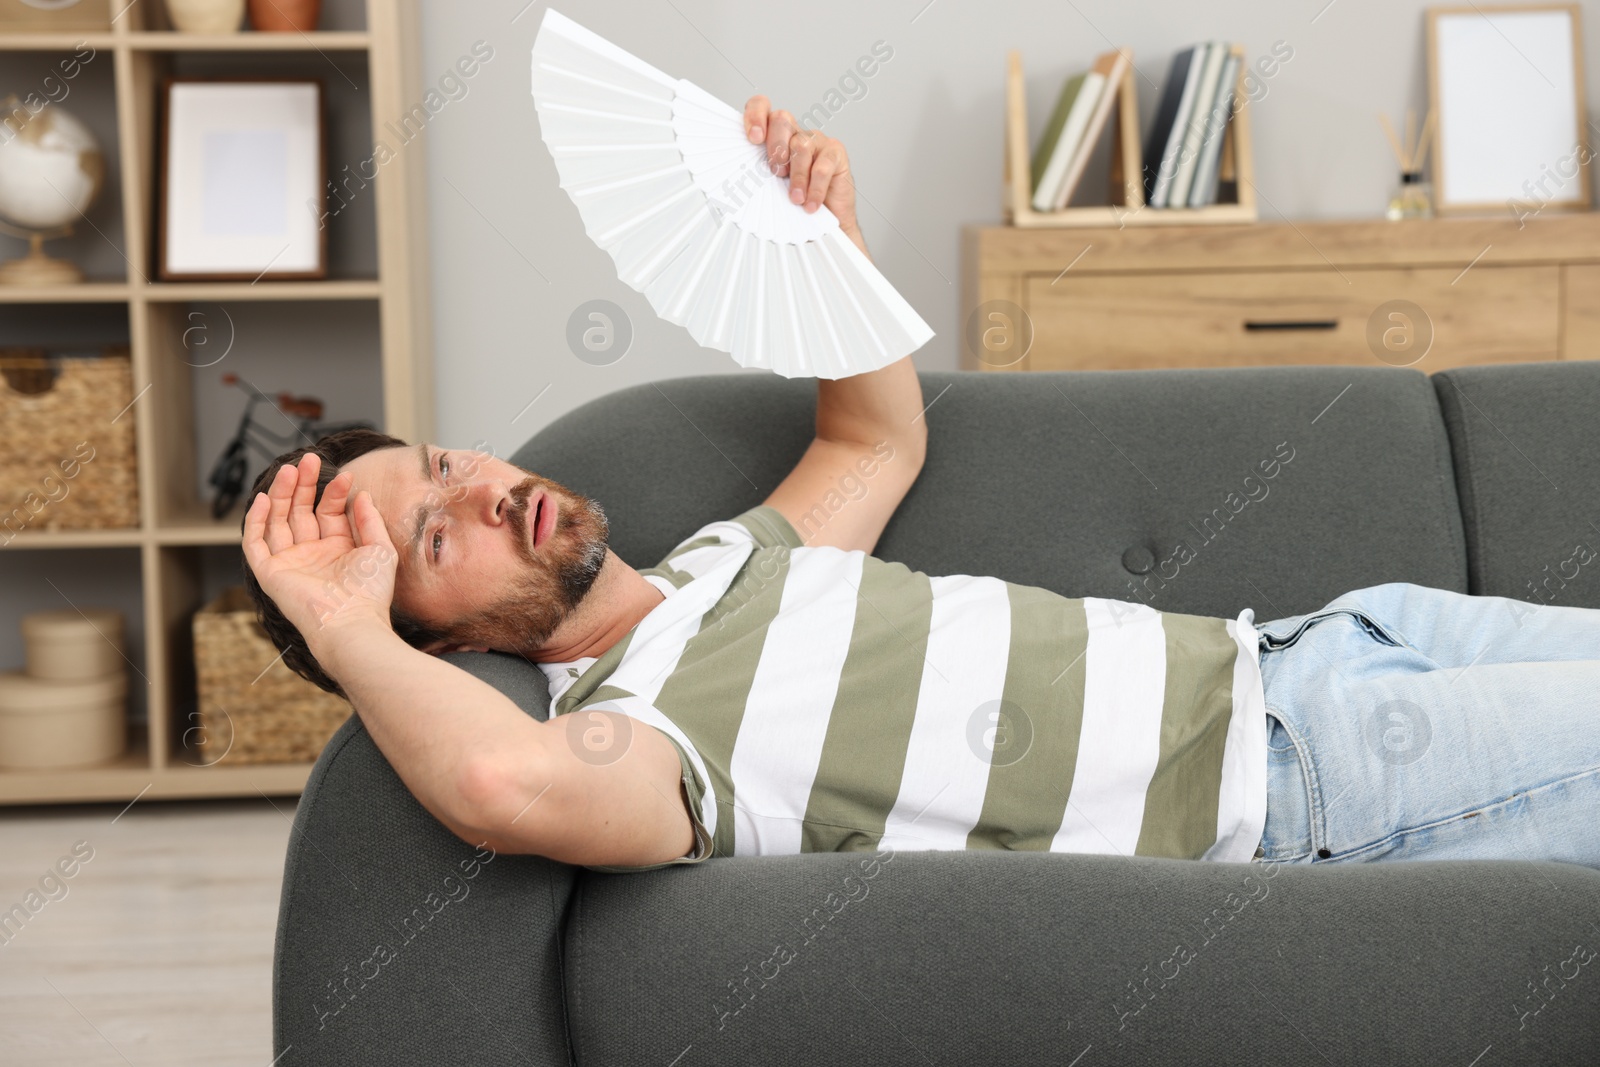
1127	207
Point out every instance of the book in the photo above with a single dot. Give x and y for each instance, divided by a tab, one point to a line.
1066	127
1052	131
1113	68
1194	130
1155	145
1210	165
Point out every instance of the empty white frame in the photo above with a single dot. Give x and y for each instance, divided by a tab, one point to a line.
242	180
1507	88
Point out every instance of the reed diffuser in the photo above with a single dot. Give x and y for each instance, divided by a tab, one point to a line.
1413	197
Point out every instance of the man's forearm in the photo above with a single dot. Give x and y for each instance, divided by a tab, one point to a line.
433	721
880	405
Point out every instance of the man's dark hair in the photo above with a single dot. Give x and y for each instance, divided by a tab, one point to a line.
335	451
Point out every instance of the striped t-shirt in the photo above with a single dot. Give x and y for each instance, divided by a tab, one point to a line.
823	700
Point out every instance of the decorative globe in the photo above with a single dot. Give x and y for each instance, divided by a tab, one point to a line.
51	171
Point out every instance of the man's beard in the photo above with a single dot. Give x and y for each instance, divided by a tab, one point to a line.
551	583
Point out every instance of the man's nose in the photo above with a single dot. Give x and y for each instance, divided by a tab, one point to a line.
489	499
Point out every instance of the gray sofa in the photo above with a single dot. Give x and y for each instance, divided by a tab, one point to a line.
397	945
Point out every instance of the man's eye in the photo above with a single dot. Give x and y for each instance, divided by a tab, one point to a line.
444	466
438	539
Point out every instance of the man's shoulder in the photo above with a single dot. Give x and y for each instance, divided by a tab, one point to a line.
762	526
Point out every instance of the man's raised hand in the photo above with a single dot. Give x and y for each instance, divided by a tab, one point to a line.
314	565
816	165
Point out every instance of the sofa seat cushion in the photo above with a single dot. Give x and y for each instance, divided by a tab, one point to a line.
983	957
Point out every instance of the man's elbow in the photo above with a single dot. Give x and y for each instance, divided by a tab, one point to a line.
918	444
498	805
911	446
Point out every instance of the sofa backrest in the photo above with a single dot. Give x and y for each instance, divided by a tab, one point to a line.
1197	491
1527	461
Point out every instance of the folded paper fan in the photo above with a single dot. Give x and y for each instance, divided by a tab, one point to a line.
666	181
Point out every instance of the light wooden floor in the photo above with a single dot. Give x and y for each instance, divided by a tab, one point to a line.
160	951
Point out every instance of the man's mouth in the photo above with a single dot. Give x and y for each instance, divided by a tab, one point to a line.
542	519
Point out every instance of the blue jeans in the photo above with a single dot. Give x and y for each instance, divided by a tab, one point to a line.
1410	723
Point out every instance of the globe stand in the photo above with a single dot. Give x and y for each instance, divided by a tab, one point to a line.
32	140
37	269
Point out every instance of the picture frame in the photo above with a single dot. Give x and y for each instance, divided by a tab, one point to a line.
1506	85
241	191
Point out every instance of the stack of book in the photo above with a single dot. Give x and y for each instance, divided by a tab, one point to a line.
1075	125
1183	154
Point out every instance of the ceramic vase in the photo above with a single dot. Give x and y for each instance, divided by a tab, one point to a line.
206	16
283	16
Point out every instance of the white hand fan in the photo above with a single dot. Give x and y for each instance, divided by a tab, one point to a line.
666	182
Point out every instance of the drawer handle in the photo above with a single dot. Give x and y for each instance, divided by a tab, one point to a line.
1293	324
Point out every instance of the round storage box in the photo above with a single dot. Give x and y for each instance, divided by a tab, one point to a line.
73	646
47	724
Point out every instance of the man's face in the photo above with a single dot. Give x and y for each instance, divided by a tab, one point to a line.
490	553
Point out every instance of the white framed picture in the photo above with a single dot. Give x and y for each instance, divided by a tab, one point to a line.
241	180
1507	89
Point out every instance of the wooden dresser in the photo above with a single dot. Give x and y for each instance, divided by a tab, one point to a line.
1430	294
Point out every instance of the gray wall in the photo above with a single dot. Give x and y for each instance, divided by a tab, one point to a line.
511	261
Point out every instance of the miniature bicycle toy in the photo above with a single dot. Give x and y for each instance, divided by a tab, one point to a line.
304	414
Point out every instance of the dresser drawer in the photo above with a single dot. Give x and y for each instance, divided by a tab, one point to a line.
1241	318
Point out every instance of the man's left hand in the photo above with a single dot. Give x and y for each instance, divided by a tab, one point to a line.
816	165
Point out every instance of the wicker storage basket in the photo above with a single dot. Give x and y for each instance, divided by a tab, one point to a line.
66	442
251	712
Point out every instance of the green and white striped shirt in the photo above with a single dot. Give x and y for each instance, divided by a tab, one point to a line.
824	700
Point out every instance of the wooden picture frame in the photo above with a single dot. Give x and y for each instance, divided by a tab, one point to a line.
224	141
1506	85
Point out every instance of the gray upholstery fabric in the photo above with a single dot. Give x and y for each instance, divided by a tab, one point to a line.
1055	478
1042	478
1528	470
1012	958
472	967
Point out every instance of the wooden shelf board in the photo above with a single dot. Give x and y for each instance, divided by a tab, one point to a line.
333	289
1116	215
54	41
199	532
127	538
250	41
101	781
243	779
194	525
1312	244
127	778
179	532
83	293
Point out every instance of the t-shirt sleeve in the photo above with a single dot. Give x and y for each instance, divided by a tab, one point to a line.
692	785
769	527
762	526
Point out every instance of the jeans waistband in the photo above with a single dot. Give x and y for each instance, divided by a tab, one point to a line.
1283	633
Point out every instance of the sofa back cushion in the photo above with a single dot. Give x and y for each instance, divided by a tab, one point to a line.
1197	491
1527	462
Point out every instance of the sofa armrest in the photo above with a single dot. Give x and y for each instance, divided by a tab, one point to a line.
398	943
